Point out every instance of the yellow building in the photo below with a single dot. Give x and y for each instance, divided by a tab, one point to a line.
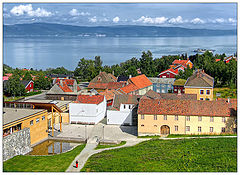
161	116
16	119
201	84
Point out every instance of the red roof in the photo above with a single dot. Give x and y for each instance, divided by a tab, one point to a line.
182	62
174	71
141	81
90	99
98	85
129	88
65	87
218	60
5	78
109	94
184	107
9	75
67	81
110	85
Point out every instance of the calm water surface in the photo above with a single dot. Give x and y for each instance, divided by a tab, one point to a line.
45	52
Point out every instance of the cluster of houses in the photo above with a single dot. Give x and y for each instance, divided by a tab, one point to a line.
140	101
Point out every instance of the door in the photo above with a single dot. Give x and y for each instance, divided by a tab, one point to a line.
165	130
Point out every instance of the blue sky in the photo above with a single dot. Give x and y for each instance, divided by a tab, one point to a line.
189	15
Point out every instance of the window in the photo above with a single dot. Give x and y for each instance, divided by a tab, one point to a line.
37	120
200	118
199	129
188	118
223	129
43	117
155	125
211	119
201	98
187	128
208	92
165	117
176	117
201	91
155	117
223	119
207	99
142	116
31	122
142	125
124	106
176	128
211	129
129	106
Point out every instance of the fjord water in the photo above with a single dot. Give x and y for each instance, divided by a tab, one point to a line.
45	52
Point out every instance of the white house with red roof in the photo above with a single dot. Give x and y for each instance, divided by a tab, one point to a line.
87	109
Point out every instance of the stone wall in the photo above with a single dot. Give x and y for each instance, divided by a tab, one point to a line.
18	143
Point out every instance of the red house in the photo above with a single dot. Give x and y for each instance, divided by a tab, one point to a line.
228	59
28	85
169	73
178	86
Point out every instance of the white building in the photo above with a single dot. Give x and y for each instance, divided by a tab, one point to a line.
88	109
123	110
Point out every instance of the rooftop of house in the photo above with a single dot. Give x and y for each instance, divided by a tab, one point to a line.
58	89
69	82
179	82
25	82
110	85
200	79
14	114
141	81
124	99
90	99
230	57
109	94
162	80
58	103
171	96
184	107
182	62
129	88
103	77
174	71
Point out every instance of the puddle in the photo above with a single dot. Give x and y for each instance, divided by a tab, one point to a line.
52	147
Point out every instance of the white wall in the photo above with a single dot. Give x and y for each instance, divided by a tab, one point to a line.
118	117
87	113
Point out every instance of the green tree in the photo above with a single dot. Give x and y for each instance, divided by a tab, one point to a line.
146	64
85	69
14	87
41	82
27	76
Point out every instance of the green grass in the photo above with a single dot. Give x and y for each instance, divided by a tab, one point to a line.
101	146
19	97
225	92
156	155
55	163
193	135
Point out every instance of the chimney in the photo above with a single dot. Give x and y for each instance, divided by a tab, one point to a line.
113	72
130	76
179	91
228	100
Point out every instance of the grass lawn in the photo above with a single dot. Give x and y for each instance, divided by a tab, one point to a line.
55	163
19	97
203	135
225	92
186	155
101	146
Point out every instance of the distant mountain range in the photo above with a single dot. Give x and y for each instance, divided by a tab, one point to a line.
49	29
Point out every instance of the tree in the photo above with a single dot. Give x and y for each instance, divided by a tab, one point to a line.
85	69
27	76
41	82
14	87
184	75
146	64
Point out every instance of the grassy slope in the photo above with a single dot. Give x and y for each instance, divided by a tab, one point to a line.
194	155
225	92
55	163
100	146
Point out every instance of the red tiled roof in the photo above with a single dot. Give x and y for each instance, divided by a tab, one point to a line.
9	75
78	88
129	88
98	85
217	60
109	94
174	71
182	62
65	87
67	81
110	85
113	77
183	107
141	81
94	99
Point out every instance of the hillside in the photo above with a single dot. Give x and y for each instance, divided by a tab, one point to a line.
43	29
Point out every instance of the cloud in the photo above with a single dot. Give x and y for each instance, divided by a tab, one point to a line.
74	12
231	20
177	20
27	9
157	20
116	19
197	21
220	20
93	19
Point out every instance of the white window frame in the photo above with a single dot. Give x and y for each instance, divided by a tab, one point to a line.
199	129
211	119
211	129
142	116
188	118
164	117
199	118
176	117
176	127
187	128
155	117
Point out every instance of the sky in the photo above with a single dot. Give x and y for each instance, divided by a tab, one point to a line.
188	15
